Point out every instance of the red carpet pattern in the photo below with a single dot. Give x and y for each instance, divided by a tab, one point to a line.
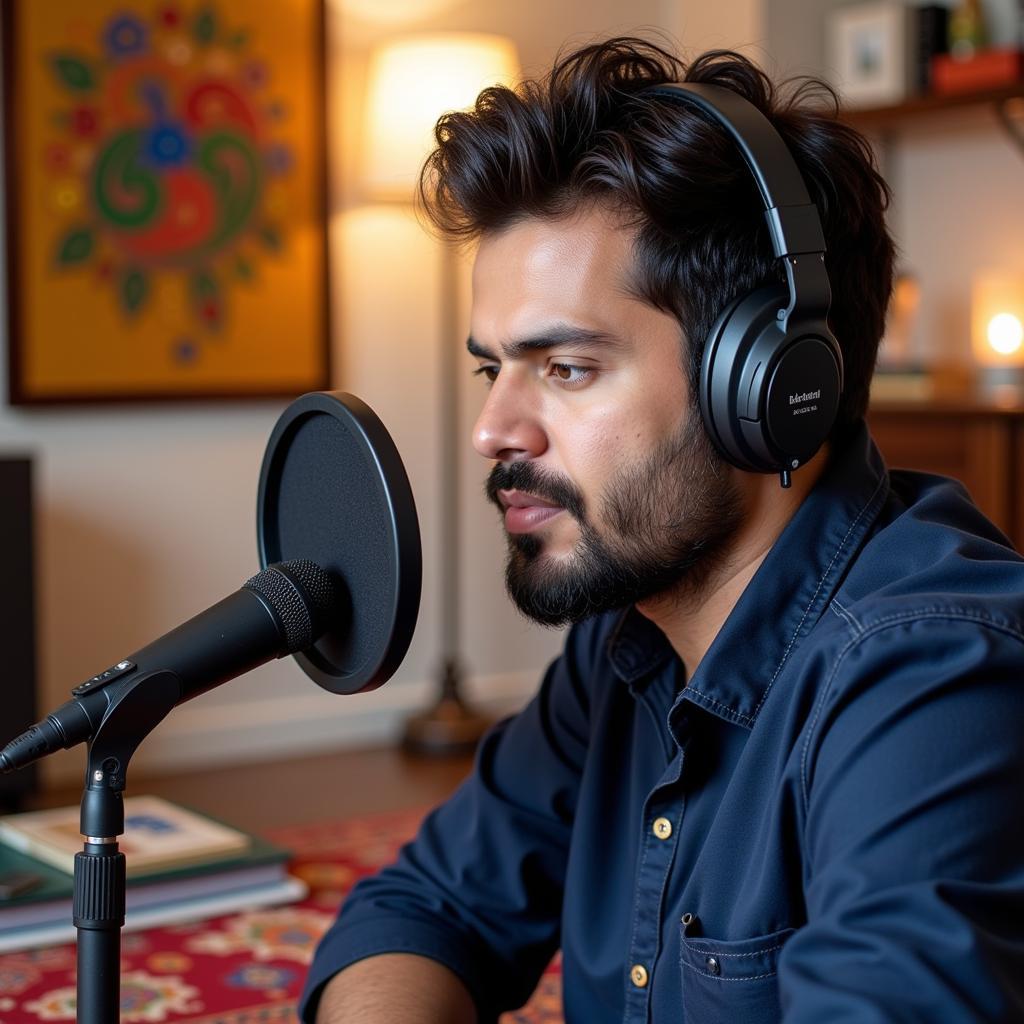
245	968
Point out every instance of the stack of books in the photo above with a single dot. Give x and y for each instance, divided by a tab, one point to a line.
181	866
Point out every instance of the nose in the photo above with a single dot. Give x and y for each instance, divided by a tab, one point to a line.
507	429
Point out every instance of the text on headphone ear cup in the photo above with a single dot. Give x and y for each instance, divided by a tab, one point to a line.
802	397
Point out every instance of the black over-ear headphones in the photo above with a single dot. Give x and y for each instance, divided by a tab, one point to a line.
772	371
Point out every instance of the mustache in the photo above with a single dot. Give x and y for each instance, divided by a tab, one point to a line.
525	476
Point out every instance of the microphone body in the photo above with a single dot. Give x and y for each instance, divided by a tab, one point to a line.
226	640
281	610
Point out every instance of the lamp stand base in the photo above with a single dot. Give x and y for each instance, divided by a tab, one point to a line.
449	727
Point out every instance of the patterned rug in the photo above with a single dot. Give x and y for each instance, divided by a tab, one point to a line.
245	968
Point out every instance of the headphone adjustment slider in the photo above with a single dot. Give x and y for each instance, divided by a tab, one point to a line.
795	230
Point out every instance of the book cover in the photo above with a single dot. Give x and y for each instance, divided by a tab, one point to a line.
158	835
255	878
56	926
932	38
987	69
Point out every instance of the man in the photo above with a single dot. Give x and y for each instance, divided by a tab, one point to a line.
776	773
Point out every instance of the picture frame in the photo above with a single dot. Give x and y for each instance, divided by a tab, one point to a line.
871	53
166	200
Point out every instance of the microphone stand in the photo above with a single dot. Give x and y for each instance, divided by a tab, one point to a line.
99	901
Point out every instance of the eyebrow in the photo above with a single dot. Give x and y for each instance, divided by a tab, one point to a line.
561	335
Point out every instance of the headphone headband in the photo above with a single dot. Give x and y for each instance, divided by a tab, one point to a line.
792	218
771	377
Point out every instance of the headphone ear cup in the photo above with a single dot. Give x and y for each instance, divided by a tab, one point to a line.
769	396
724	395
800	395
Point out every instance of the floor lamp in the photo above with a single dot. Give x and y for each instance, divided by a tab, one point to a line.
412	81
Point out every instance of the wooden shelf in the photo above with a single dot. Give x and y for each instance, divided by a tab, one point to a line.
919	107
980	444
951	391
949	405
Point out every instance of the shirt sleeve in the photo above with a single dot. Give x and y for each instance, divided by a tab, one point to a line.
480	887
914	831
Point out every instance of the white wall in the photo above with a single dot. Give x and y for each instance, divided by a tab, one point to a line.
736	25
147	515
957	212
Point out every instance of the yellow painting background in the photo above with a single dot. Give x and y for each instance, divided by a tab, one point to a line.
75	340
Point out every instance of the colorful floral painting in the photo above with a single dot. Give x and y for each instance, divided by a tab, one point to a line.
165	197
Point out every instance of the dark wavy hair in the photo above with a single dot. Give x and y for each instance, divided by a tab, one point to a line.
585	133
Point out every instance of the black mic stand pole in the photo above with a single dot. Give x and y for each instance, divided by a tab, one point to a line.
99	901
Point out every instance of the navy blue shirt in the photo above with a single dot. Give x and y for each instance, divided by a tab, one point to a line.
825	823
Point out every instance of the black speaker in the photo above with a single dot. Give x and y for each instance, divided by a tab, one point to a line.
17	620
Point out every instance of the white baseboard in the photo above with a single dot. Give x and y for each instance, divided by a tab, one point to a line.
194	736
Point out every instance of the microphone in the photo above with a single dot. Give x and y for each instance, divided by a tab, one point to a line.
282	610
339	541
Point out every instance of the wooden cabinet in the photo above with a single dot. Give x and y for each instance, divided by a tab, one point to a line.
981	445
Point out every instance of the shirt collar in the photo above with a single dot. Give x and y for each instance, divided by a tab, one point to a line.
785	598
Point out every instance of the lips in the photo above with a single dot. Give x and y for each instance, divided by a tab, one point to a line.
520	499
525	512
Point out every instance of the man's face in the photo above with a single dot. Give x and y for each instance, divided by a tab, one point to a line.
610	490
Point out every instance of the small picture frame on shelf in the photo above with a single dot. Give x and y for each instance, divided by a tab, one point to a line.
871	53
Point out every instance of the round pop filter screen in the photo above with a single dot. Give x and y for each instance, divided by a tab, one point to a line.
333	489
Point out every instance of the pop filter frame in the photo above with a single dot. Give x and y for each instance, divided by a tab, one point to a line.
333	489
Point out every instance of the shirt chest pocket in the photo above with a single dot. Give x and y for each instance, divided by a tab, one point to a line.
731	982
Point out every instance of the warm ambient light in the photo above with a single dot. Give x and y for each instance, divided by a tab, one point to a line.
412	82
1005	333
997	315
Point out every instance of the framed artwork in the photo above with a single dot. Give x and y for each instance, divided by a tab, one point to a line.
166	213
871	52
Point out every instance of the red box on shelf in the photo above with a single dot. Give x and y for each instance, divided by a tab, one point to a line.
987	69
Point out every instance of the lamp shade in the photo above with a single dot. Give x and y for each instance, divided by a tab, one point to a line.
997	319
413	80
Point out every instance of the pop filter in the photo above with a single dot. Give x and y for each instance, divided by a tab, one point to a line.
333	489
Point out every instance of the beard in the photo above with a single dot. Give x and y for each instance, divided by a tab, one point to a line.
664	524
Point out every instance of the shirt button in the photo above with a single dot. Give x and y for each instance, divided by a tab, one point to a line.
713	966
663	828
638	975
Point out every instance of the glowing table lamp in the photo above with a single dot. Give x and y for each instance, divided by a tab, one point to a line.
997	334
413	80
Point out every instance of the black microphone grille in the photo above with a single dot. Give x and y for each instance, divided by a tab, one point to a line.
303	596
